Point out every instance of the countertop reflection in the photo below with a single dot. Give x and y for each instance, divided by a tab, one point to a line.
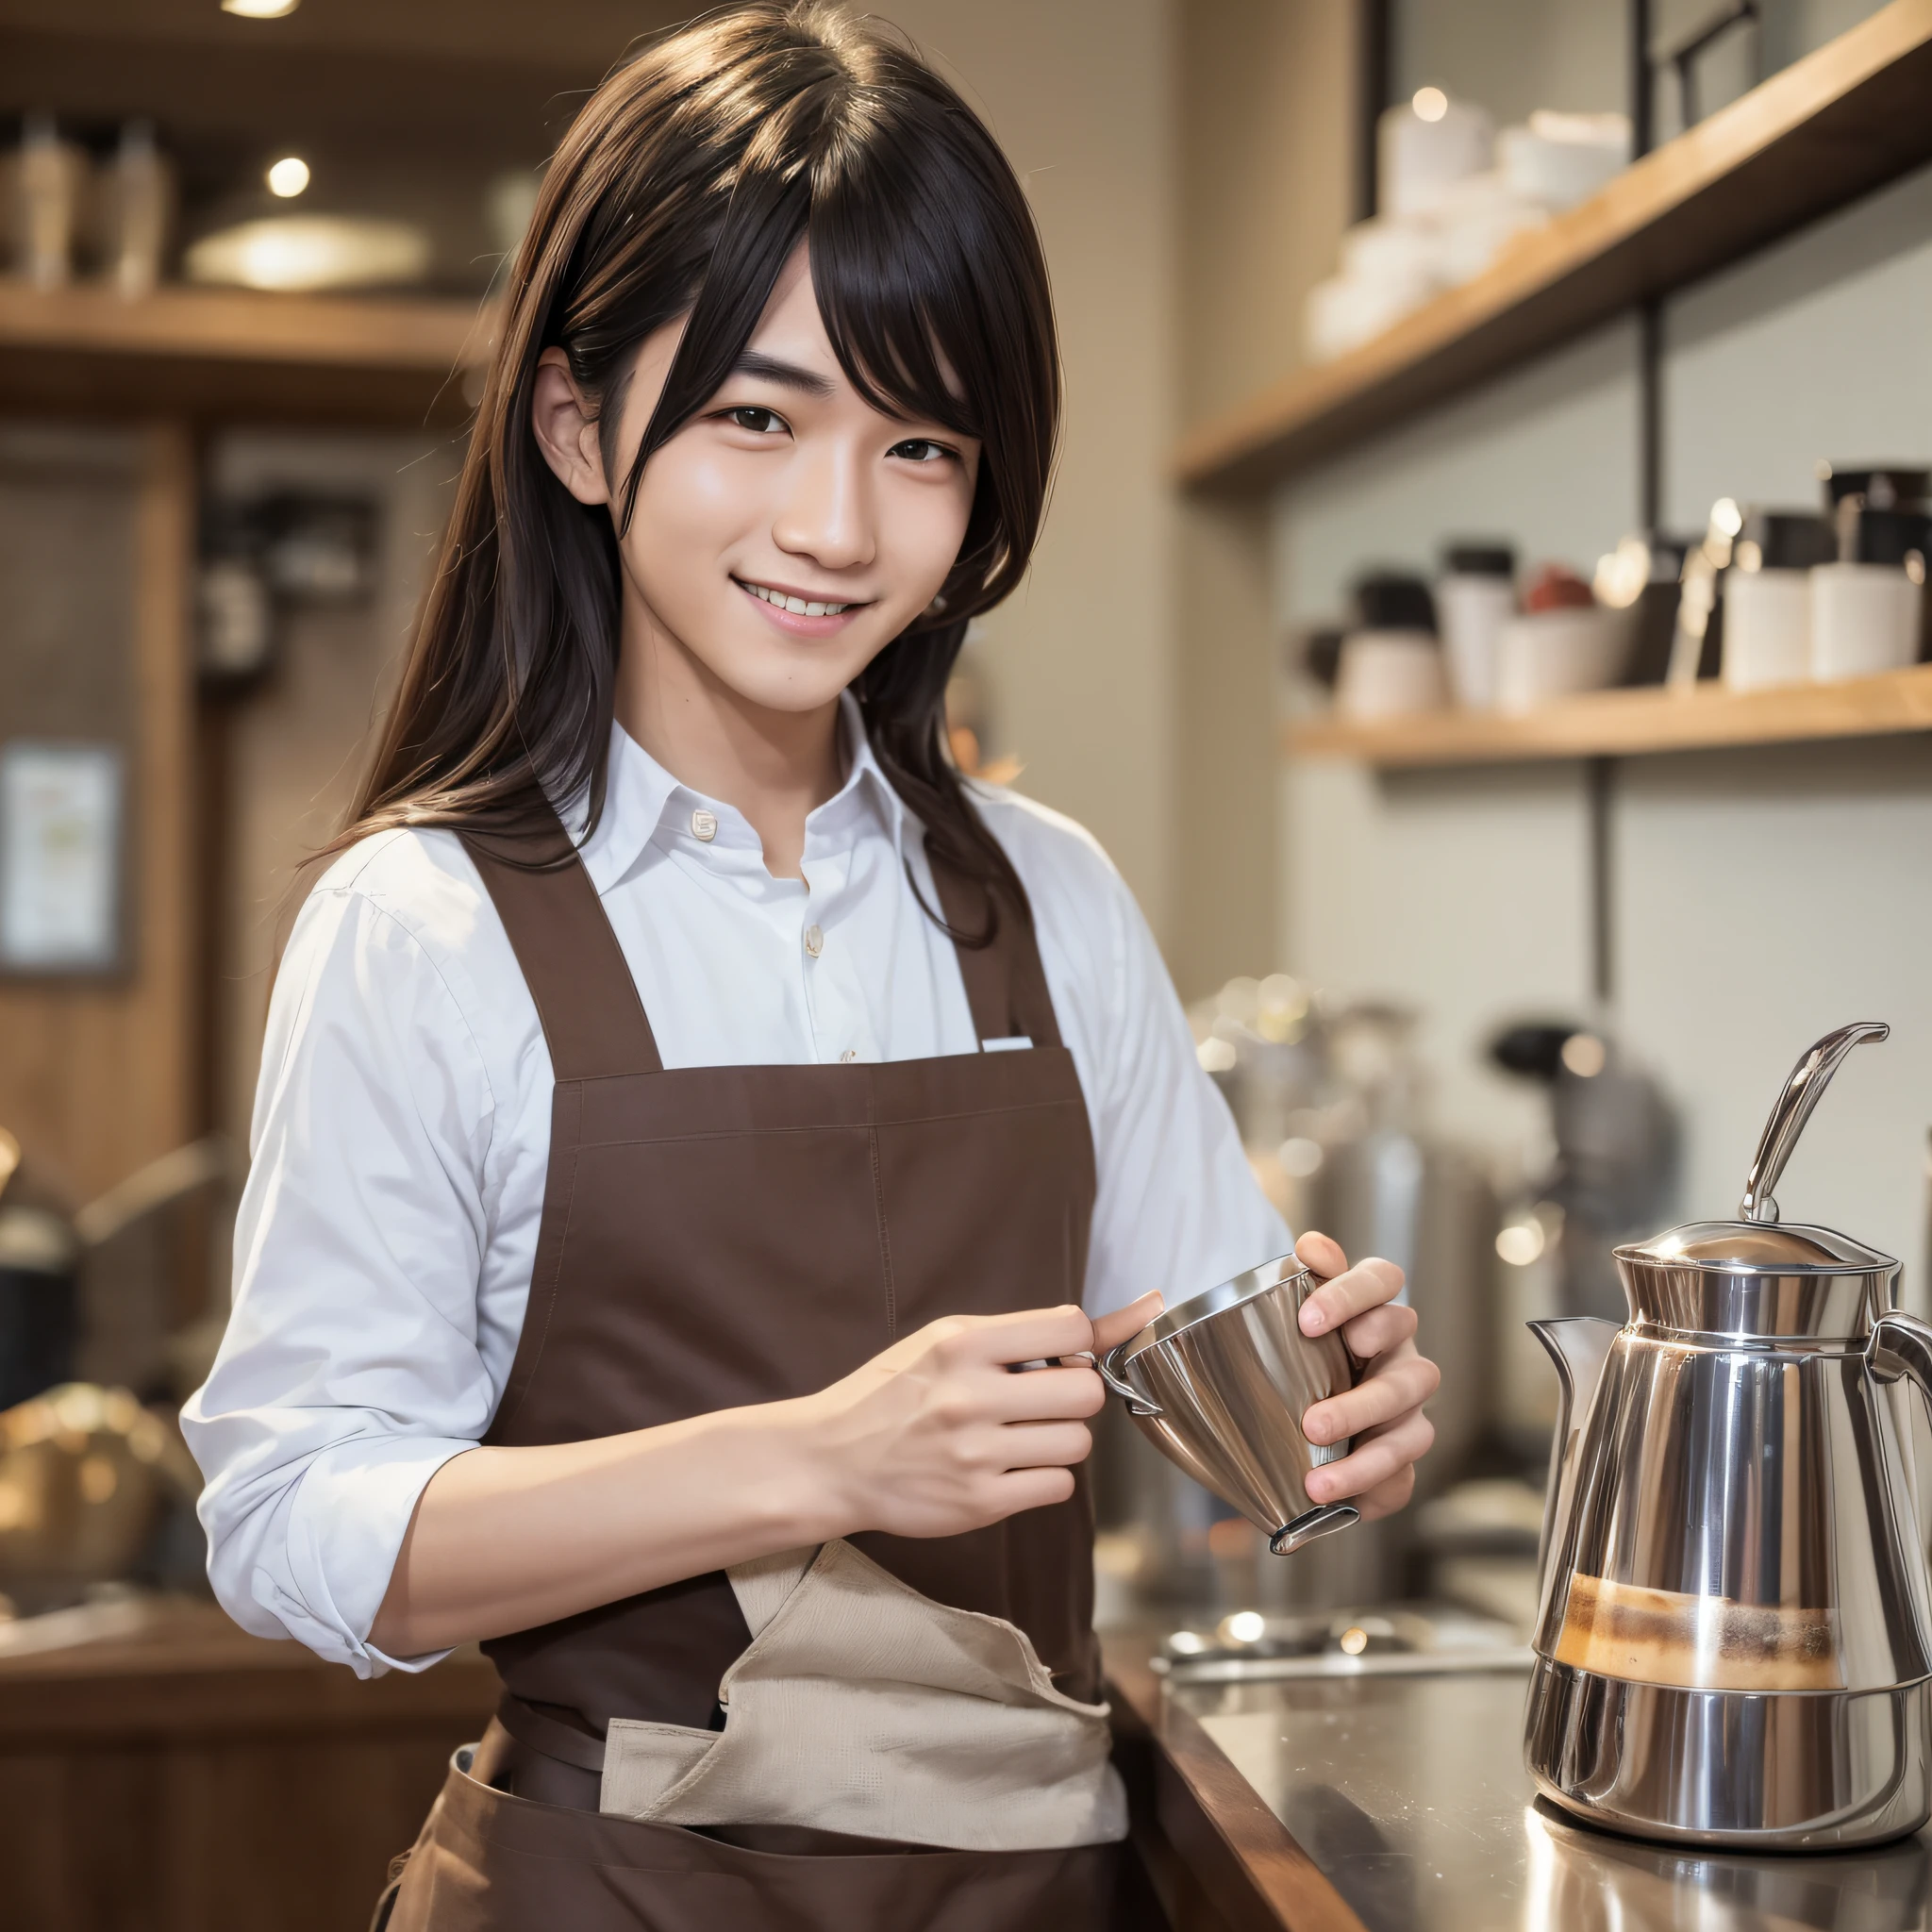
1409	1794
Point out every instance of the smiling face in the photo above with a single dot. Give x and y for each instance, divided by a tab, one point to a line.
790	531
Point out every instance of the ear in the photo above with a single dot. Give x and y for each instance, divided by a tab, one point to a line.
565	427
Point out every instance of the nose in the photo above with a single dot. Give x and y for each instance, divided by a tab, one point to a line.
827	511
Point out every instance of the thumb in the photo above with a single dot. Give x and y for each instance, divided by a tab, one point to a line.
1112	1330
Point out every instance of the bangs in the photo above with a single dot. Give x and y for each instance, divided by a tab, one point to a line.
907	280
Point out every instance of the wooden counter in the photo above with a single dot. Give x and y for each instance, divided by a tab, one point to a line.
187	1778
191	1779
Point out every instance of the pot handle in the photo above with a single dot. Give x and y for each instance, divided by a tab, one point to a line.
1901	1346
1137	1403
1804	1089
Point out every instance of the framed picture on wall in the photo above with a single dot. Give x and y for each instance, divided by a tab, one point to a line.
60	831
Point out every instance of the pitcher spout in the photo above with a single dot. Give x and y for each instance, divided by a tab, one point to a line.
1579	1345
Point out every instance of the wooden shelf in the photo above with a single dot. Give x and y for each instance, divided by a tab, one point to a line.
224	355
1830	127
1624	724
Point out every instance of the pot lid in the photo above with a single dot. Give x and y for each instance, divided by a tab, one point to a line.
1736	1247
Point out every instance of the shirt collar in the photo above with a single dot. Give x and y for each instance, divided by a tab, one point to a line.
641	798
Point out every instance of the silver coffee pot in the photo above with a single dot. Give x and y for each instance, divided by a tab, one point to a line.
1219	1384
1734	1645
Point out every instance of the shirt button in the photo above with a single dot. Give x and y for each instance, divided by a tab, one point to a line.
814	941
850	1054
703	825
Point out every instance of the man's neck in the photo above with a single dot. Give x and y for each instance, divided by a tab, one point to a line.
776	767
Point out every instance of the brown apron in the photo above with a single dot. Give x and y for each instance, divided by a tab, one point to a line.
720	1236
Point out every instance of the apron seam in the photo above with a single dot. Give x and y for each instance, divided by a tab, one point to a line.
551	1292
865	1127
878	1202
877	1069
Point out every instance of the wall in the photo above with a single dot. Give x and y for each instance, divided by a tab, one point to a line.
1464	894
1267	93
1079	662
1512	56
294	744
1759	897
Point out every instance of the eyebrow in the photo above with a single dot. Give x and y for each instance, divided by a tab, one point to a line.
786	374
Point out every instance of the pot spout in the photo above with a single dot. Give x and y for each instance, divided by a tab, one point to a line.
1579	1345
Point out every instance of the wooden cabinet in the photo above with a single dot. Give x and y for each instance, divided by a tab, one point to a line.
96	550
192	1778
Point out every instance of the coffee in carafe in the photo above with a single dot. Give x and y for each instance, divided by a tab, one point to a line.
1696	1642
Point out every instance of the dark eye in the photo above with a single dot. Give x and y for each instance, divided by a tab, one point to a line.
920	449
760	422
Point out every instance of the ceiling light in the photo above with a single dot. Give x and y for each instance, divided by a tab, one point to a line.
261	9
1430	103
289	176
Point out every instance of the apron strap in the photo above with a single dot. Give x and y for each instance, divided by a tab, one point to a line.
550	1737
1005	983
594	1021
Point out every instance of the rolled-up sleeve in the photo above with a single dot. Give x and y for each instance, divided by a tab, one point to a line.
351	1370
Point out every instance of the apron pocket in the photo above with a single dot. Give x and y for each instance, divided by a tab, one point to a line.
642	1761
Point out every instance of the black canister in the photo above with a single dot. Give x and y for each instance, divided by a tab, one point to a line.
1391	600
1899	539
40	1258
1875	486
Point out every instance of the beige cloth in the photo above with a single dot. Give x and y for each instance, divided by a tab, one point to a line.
864	1706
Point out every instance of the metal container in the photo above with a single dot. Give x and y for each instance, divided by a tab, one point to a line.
1734	1645
1219	1384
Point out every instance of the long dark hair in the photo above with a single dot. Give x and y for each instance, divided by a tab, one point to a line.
682	189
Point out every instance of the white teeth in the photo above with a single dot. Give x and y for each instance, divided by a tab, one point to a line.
799	606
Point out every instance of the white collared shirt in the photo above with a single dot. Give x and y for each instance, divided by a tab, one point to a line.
402	1129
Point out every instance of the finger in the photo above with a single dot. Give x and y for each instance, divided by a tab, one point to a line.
1027	1488
1046	1395
1043	1445
1385	1499
1375	1461
1365	1285
1324	1255
1110	1331
1376	1399
1381	1332
1031	1335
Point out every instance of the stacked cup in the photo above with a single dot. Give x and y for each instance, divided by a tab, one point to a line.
1868	608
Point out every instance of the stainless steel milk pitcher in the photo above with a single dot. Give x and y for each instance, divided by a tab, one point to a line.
1735	1632
1219	1384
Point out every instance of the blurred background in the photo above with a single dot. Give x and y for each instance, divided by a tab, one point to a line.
1481	612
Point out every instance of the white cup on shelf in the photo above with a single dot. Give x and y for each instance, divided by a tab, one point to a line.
1476	596
1545	655
1865	620
1389	674
1767	628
